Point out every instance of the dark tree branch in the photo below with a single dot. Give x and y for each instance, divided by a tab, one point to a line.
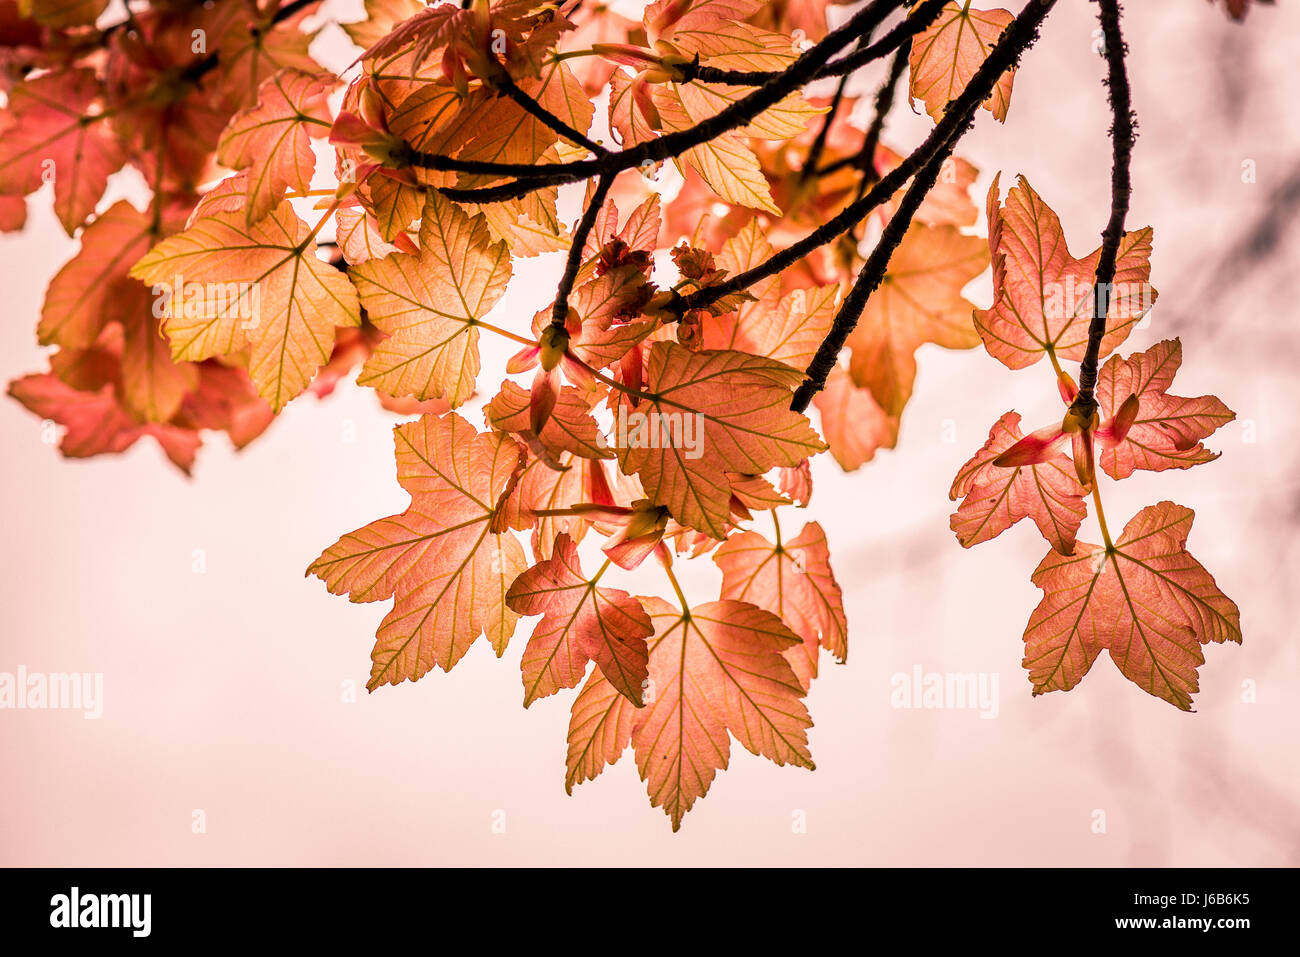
920	18
1123	134
530	177
819	144
1019	35
865	158
560	311
530	106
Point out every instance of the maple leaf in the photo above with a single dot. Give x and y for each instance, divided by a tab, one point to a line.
94	422
430	304
740	405
794	581
1043	296
1167	431
259	286
59	133
272	140
80	295
569	428
919	301
1146	600
715	669
996	498
444	558
946	54
581	622
853	423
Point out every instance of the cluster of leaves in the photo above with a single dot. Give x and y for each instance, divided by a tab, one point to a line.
1143	597
707	312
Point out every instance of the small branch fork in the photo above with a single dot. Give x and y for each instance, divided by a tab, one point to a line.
1123	135
922	167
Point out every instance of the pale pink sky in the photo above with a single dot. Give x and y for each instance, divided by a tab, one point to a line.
222	690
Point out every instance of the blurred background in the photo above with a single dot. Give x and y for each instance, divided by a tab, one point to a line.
227	674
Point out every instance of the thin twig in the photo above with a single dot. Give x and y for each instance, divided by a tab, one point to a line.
530	106
920	18
741	112
865	158
560	311
1019	35
1123	134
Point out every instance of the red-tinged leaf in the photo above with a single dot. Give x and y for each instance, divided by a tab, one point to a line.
79	298
996	497
789	330
63	13
796	483
153	384
262	287
49	141
1043	298
709	413
632	111
919	301
794	581
569	428
441	558
251	51
1167	432
853	425
717	670
946	54
95	423
13	213
272	140
382	16
600	729
581	622
1147	601
430	304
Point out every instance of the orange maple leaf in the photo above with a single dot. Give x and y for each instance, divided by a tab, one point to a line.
581	622
447	558
1146	600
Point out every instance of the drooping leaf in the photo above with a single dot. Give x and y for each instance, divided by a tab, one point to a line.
581	622
919	301
794	581
1147	601
430	303
1168	429
1043	296
715	674
79	297
853	424
444	558
946	54
710	413
272	140
262	287
996	498
60	134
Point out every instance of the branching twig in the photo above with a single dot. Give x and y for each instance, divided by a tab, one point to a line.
865	158
1019	35
530	106
920	18
1123	133
743	111
560	311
